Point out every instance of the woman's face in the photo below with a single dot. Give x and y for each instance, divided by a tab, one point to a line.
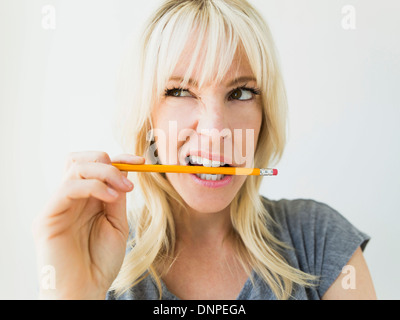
215	123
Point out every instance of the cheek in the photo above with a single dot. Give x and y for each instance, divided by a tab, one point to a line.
247	114
173	125
247	128
183	110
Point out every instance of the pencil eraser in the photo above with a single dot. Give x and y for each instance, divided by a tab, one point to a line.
274	172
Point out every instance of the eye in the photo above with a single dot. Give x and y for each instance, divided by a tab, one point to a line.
244	93
177	92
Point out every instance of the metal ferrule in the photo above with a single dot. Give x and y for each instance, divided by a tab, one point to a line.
266	172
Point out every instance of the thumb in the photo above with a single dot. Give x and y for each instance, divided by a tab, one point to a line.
116	213
116	210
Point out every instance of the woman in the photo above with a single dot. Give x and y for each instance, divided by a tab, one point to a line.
207	87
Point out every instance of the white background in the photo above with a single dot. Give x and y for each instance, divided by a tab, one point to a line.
57	94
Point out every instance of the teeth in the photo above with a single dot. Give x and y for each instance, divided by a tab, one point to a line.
205	162
197	160
216	163
213	177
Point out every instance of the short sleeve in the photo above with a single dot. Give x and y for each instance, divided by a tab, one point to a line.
336	240
323	241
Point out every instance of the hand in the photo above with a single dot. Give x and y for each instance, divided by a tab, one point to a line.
83	229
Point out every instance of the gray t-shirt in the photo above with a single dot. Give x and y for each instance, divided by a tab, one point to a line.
322	239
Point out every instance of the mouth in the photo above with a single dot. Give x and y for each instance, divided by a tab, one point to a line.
193	160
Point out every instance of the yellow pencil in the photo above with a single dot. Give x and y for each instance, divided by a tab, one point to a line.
195	169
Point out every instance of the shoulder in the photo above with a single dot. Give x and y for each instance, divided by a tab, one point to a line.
146	289
311	217
322	239
301	210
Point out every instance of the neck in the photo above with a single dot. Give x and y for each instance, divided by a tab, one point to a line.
205	229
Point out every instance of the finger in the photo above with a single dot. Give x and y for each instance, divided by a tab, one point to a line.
86	156
103	172
128	159
82	189
72	190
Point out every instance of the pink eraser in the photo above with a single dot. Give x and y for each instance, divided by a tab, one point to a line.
275	172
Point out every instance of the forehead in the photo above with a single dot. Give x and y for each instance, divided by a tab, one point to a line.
239	66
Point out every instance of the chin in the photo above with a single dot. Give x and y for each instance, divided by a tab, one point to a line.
204	204
201	199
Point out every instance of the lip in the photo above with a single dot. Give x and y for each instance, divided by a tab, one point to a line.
212	184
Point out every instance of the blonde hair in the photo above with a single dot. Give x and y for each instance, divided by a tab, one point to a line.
222	27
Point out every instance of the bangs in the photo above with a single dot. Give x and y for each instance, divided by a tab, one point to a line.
215	34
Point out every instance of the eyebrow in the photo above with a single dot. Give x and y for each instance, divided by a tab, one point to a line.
230	84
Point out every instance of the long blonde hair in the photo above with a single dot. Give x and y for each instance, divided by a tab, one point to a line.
221	27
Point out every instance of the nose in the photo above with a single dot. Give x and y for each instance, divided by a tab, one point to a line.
213	120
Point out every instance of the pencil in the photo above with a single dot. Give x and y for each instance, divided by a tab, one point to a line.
196	169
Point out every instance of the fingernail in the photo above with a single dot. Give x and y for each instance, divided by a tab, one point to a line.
127	182
112	192
135	156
